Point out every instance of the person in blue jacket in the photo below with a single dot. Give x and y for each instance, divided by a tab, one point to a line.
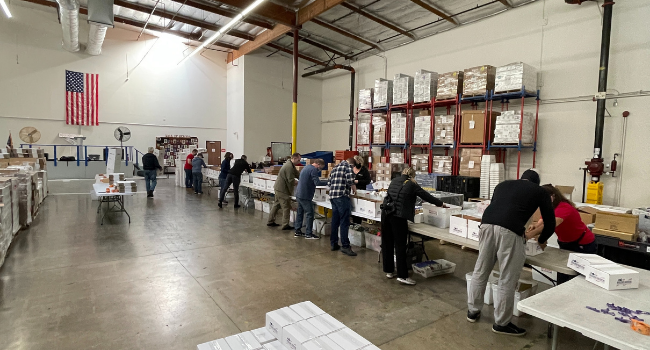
225	168
307	182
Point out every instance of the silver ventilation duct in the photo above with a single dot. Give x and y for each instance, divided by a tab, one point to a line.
69	17
100	18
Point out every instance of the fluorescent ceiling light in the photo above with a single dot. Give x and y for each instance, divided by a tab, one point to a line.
222	30
3	4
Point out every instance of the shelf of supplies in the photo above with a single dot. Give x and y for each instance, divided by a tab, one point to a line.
420	105
481	98
377	109
470	146
505	96
511	146
443	146
401	106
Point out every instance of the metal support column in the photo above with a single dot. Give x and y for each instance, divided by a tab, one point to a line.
294	109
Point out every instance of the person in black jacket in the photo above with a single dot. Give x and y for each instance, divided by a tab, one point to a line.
361	180
234	179
149	165
403	191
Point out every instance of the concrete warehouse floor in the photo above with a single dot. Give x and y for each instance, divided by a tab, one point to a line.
184	272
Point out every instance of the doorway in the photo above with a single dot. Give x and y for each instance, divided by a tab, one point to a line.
214	152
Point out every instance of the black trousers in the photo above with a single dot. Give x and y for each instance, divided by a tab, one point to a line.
394	236
234	181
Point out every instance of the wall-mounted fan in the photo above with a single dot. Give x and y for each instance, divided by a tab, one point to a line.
29	134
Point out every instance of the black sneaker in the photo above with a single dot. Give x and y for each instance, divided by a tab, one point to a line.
298	234
237	206
336	247
510	329
272	224
473	317
311	236
287	228
348	251
220	206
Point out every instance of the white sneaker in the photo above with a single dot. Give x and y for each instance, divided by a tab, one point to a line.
406	281
390	275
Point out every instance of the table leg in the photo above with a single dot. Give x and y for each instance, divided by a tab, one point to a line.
124	209
556	331
101	200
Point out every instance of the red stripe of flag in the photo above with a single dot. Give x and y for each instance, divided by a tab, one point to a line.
96	99
67	108
87	94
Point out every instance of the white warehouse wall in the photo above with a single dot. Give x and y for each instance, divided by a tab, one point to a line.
564	42
268	86
159	98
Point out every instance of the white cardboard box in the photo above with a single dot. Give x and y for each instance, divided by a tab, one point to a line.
295	335
418	218
243	341
371	347
579	262
266	207
544	274
263	335
473	228
458	226
438	216
488	297
349	340
322	343
612	276
270	184
219	344
326	323
307	309
274	345
278	319
533	248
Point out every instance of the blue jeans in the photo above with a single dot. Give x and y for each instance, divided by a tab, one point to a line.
188	178
306	207
341	208
197	178
222	183
150	179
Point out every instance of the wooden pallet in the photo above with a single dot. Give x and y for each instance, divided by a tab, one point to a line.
513	91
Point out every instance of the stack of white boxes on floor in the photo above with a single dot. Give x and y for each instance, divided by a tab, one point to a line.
402	89
6	216
497	176
302	326
383	93
365	98
422	130
425	86
441	164
514	77
398	128
602	272
486	162
509	125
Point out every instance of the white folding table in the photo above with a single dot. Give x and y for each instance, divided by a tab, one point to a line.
114	201
566	306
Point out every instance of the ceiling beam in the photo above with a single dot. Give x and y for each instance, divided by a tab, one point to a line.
321	46
346	33
436	11
376	19
303	15
222	11
304	57
134	23
267	9
181	18
506	3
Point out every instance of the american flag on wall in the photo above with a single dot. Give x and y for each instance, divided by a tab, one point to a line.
81	98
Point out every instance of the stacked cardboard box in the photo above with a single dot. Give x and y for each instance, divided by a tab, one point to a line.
425	86
444	130
379	129
441	164
486	162
422	129
478	80
474	126
621	226
449	85
6	218
397	158
470	162
420	163
515	77
398	128
365	98
383	93
402	89
127	186
363	129
386	171
497	176
508	126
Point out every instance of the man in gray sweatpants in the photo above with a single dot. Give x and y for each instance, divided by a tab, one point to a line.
502	238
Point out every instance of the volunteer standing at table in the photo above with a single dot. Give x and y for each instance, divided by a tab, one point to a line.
341	184
361	180
197	176
149	165
572	233
283	190
188	168
402	193
502	238
309	179
234	179
225	168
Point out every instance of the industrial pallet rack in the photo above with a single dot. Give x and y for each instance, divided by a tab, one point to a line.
454	105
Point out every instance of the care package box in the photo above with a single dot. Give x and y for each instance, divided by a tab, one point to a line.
612	276
533	248
579	262
347	339
295	335
278	319
243	341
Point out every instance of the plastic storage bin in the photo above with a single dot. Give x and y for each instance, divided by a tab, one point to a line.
373	242
488	299
432	268
524	290
357	238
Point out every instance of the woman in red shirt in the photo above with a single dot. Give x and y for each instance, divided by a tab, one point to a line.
572	233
